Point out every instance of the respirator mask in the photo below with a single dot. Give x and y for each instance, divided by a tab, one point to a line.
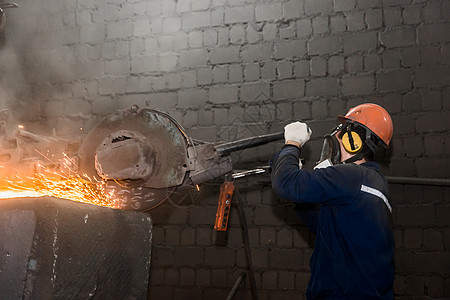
331	151
356	139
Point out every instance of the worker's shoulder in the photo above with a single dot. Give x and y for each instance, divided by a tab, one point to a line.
347	167
352	169
371	165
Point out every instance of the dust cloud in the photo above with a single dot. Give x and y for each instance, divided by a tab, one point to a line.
33	64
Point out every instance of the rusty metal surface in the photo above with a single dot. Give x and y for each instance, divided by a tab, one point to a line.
58	249
17	227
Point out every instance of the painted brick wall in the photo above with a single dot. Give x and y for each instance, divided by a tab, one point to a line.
228	69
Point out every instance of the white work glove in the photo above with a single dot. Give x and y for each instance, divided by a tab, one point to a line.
298	132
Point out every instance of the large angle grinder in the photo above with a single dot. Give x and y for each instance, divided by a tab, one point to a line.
144	155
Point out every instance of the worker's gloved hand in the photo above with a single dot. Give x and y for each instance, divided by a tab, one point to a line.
297	132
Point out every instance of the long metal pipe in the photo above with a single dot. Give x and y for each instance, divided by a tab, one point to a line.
418	181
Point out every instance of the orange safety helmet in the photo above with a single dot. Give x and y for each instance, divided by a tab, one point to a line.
373	117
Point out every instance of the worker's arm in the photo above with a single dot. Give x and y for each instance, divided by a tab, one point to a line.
334	185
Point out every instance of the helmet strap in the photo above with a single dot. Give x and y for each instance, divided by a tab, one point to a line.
358	156
372	146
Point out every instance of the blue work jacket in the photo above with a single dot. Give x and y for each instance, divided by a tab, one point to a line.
350	216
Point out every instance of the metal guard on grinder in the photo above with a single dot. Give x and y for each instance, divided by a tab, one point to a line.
140	153
144	145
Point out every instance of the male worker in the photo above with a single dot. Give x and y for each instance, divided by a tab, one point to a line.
346	205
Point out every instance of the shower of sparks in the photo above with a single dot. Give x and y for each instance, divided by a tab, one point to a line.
56	184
